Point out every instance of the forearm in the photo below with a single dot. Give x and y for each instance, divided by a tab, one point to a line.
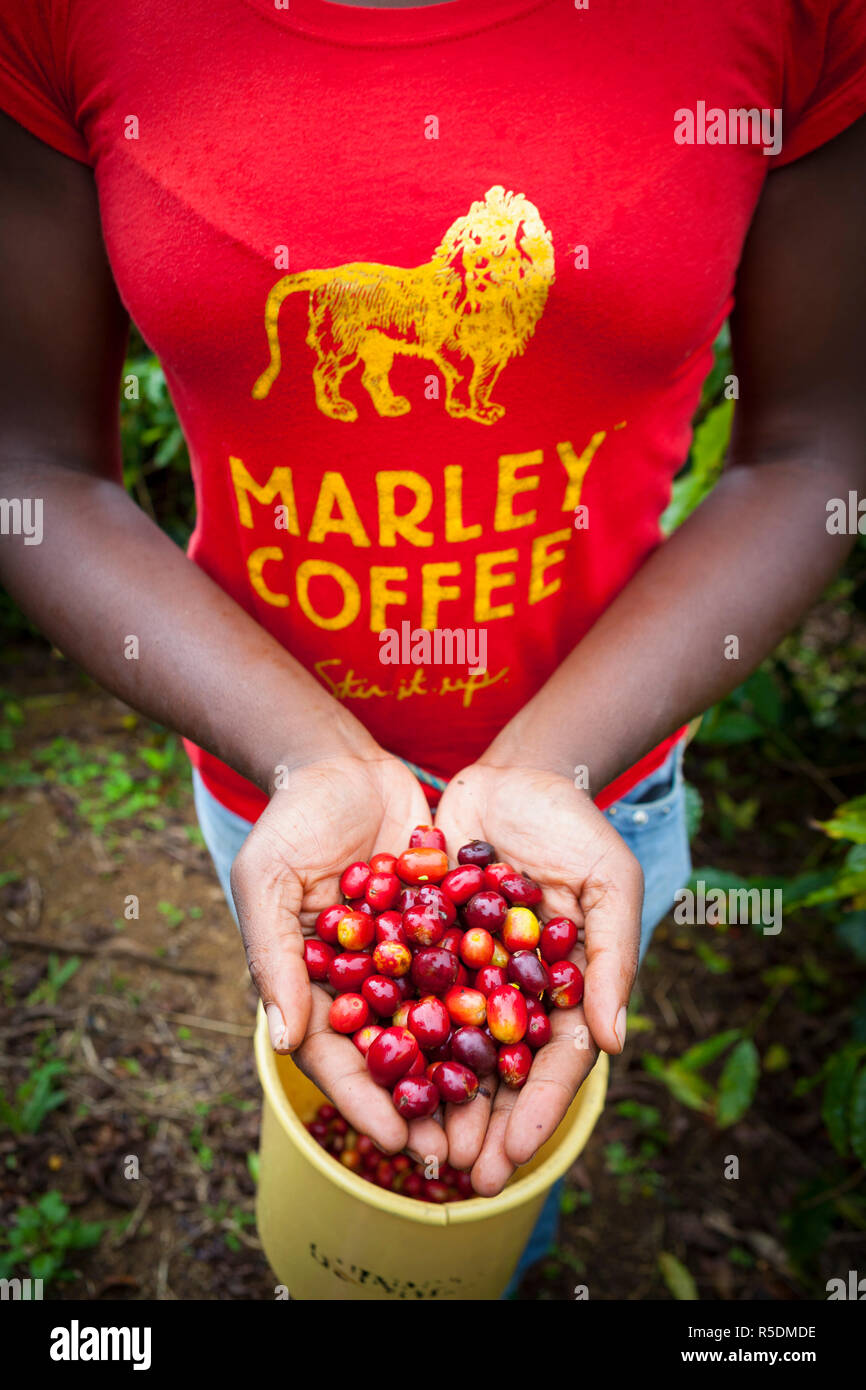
104	572
747	564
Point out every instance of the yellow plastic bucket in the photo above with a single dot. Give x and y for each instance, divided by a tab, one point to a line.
328	1234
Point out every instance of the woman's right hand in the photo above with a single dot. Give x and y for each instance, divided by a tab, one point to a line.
329	813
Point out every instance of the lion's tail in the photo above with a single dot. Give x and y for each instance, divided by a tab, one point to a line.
290	284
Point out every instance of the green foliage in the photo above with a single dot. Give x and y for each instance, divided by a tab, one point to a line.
677	1278
56	976
738	1082
705	464
38	1241
848	822
756	709
34	1099
851	931
712	428
694	810
840	1074
233	1220
843	1074
847	881
107	785
156	467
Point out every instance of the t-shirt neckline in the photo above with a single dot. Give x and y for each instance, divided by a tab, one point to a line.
375	26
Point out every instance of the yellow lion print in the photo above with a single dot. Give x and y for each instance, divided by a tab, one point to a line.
469	310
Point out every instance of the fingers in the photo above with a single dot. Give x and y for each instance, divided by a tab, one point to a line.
466	1125
611	901
427	1142
267	896
557	1071
337	1068
493	1167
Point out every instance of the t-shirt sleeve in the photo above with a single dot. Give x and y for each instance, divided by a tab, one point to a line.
825	74
33	73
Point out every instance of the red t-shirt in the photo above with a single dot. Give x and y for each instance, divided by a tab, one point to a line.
435	291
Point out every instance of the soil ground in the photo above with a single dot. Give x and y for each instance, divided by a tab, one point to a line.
154	1027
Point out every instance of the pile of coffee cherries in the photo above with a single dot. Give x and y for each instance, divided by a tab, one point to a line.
442	976
393	1172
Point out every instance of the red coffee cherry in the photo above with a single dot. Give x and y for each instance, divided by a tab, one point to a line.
460	884
490	978
317	958
566	984
455	1083
392	958
415	1097
486	909
521	929
349	970
366	1036
475	1050
382	891
513	1064
520	890
558	939
476	948
465	1006
355	931
348	1013
477	852
353	880
427	837
506	1014
425	865
391	1056
389	927
382	994
328	921
429	1022
526	970
434	970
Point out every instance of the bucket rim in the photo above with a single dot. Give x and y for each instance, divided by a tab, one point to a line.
519	1189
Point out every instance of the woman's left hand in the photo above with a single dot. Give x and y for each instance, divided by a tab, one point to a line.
539	822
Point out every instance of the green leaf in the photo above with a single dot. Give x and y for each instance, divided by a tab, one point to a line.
44	1266
715	878
838	1086
685	1086
851	931
86	1234
847	884
707	1051
858	1117
762	693
705	464
53	1208
728	726
858	1018
694	809
714	961
848	822
809	1223
777	1057
738	1083
679	1282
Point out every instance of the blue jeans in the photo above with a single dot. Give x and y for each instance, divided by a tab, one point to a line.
651	818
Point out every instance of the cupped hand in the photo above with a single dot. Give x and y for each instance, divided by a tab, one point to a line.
540	823
329	814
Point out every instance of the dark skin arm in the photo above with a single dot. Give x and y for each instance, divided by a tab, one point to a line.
748	562
105	571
